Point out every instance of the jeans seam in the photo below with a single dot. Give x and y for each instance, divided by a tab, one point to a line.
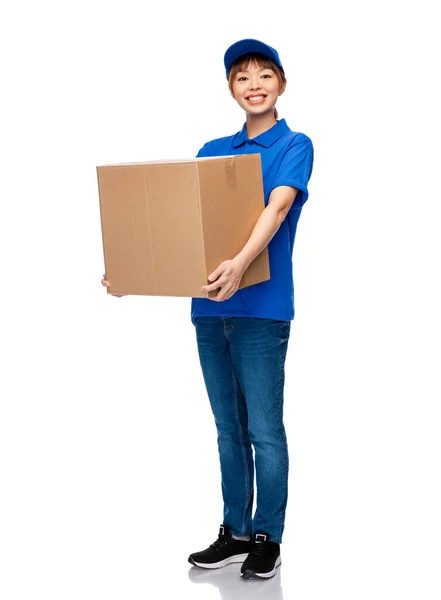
280	423
244	453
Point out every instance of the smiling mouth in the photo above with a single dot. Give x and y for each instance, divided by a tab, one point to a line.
256	99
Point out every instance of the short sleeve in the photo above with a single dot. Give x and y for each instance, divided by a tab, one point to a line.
296	168
203	151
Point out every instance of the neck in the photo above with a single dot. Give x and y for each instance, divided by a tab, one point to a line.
257	124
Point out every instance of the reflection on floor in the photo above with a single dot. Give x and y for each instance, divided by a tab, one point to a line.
231	585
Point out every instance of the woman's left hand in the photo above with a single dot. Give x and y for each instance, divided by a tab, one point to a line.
227	276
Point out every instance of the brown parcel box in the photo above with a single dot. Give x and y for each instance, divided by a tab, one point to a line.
167	225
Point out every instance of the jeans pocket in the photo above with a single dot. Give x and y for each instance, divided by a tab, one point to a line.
283	328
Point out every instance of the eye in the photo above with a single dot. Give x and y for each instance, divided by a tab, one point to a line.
266	75
242	78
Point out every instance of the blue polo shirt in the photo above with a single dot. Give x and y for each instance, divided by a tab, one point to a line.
287	158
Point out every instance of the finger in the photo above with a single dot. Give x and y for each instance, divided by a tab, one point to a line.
221	297
210	288
225	294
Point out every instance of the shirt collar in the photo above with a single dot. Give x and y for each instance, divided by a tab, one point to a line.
265	139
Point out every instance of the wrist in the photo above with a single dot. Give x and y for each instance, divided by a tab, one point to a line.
242	261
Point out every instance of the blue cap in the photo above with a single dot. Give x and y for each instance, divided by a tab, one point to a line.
249	46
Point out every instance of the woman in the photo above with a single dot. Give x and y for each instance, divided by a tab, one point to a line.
242	335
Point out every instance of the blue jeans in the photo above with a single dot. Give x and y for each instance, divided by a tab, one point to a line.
243	365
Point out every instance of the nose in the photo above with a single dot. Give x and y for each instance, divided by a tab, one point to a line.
255	83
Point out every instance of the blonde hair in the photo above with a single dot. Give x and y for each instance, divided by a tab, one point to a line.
261	61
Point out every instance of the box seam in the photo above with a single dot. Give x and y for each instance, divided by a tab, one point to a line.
201	222
150	229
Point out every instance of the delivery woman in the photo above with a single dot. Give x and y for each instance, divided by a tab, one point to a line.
242	334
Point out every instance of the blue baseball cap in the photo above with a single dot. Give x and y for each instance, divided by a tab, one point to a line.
249	46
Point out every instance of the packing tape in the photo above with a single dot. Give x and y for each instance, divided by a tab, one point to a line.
230	172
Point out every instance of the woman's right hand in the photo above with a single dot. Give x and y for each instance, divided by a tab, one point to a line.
105	283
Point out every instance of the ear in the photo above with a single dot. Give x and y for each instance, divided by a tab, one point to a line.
282	88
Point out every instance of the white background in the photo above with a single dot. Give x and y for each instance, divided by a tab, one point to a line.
108	468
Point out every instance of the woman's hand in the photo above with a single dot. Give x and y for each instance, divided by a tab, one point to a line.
105	283
227	276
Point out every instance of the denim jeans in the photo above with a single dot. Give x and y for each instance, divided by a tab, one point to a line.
243	365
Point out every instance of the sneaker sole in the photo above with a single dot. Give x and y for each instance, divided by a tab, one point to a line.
250	574
237	558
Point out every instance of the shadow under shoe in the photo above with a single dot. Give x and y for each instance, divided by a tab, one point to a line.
263	558
224	551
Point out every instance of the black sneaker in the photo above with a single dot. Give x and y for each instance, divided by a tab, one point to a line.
263	558
223	551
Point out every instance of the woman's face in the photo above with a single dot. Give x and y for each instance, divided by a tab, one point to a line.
256	89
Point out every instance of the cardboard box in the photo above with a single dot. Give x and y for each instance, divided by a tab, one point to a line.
167	225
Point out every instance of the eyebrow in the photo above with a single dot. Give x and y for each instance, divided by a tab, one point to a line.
261	69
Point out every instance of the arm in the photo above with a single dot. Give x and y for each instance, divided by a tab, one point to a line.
229	273
279	203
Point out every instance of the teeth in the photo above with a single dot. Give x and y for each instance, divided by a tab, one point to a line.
256	97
